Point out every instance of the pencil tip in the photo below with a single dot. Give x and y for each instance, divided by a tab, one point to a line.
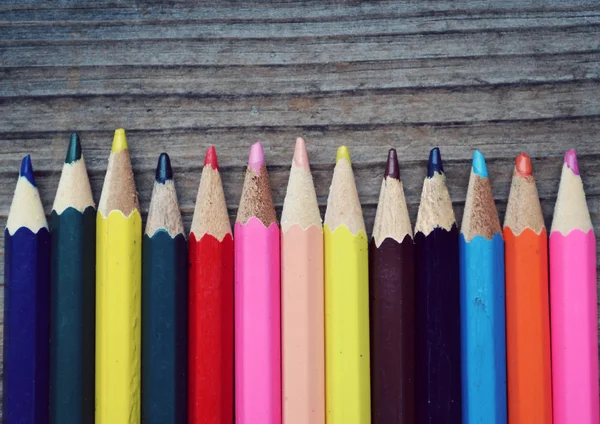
392	169
74	149
163	169
523	165
257	157
27	170
571	161
119	141
342	153
211	158
300	154
435	163
479	166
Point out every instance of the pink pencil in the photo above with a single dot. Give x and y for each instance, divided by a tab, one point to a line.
257	300
574	319
302	315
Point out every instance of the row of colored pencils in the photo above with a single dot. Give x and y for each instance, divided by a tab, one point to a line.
106	324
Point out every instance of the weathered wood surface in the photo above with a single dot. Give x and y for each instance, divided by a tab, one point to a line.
499	76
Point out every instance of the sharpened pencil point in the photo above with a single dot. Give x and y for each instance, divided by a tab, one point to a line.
27	170
257	157
300	154
392	169
163	169
342	153
119	141
211	158
435	163
571	161
523	165
74	149
479	166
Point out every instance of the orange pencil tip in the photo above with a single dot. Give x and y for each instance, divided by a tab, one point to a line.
523	165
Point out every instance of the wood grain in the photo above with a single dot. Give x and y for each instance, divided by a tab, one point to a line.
516	75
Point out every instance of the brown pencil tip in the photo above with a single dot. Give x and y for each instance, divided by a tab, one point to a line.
392	169
523	165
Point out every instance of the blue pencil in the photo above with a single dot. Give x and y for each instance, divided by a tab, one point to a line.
26	315
482	317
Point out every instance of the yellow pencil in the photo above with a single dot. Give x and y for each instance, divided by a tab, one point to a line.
118	289
347	380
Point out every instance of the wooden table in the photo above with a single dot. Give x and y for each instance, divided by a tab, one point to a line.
515	76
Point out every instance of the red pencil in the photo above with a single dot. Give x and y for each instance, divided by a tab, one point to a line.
210	359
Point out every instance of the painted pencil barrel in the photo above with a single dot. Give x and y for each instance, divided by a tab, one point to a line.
303	327
72	316
26	293
392	331
347	379
118	317
210	330
482	319
528	327
437	302
574	323
164	329
257	323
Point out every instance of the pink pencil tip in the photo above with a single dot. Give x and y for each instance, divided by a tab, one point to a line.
257	157
211	158
300	155
571	161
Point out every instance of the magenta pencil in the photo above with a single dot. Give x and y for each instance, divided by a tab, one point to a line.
573	303
257	300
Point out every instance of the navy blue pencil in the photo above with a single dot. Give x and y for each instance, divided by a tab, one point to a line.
26	303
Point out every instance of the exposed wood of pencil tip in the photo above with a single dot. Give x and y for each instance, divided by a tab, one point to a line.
74	188
26	210
210	212
118	191
435	209
391	218
571	210
343	205
480	216
300	206
163	212
523	210
256	200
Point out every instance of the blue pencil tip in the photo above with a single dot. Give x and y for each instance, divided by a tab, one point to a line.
163	169
479	166
435	163
27	170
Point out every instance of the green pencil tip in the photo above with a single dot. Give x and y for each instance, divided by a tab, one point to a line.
74	149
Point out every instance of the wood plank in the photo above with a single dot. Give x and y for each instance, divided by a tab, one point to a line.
296	79
278	51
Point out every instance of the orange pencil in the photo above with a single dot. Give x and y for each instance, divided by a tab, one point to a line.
527	312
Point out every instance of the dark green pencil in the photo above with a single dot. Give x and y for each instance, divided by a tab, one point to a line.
72	294
164	305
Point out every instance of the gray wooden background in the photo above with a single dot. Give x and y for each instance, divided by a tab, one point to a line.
504	77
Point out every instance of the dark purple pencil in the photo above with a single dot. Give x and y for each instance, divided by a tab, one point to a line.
437	302
391	282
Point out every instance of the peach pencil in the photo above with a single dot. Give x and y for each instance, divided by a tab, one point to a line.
302	318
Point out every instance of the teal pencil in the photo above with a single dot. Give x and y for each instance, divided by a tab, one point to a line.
72	293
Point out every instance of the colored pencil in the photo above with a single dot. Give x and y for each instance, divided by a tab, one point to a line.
26	315
257	300
392	304
210	302
164	305
482	317
72	293
302	313
574	315
527	314
118	291
347	379
437	302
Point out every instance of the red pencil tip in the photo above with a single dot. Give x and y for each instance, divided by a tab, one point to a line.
211	158
523	165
